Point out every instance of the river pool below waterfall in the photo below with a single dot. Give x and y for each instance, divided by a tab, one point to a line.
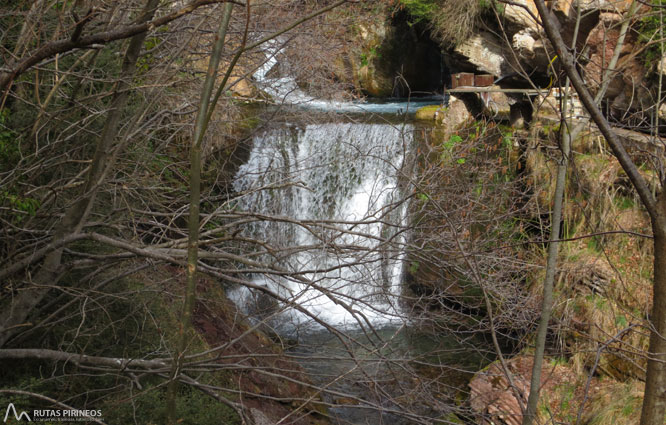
330	201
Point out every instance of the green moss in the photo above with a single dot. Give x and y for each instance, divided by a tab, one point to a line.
367	57
623	202
559	361
593	244
426	113
621	321
601	303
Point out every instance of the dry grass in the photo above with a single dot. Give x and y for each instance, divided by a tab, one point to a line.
604	282
601	316
454	21
616	403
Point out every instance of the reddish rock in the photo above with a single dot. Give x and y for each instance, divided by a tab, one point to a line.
495	401
627	88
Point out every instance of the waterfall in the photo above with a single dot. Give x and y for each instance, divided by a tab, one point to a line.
333	192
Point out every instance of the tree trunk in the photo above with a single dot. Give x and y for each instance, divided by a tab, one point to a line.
193	221
654	399
551	268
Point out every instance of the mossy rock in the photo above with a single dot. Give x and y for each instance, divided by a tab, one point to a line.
427	113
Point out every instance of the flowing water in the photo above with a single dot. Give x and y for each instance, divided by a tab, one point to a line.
285	91
333	194
329	198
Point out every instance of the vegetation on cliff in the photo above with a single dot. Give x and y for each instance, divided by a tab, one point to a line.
451	21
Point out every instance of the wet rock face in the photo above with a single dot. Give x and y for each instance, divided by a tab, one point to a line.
411	54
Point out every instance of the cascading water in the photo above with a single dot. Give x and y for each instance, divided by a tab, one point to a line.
329	199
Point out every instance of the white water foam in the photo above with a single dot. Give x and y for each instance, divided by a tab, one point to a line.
340	180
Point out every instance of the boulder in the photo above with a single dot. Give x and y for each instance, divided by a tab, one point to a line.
498	104
617	6
454	115
523	42
634	89
260	417
629	88
495	399
428	113
485	52
530	49
521	14
564	387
